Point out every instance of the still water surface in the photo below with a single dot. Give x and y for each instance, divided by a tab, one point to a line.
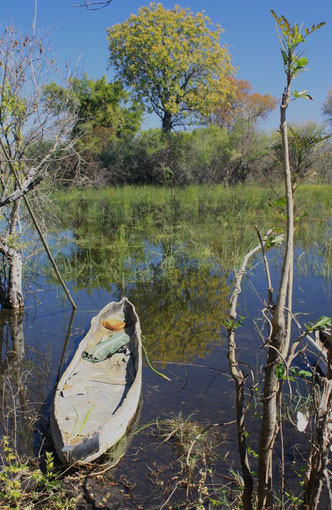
181	319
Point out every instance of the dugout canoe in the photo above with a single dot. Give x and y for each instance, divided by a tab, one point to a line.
94	403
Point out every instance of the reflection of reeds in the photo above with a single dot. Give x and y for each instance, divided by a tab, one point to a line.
17	414
316	261
22	393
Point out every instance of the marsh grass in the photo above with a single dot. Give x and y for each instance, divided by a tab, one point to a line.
129	204
183	431
136	234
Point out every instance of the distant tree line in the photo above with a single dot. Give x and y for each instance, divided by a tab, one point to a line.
228	147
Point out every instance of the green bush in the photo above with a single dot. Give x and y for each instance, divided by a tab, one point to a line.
205	155
24	486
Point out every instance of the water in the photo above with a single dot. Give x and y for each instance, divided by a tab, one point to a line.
181	307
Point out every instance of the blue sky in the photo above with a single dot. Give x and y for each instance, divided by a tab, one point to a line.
78	37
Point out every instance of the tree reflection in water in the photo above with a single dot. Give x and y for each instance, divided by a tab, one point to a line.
21	382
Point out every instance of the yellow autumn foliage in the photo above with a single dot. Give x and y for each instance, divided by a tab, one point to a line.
173	60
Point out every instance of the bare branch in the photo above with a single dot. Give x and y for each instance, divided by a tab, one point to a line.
94	6
32	183
267	270
34	140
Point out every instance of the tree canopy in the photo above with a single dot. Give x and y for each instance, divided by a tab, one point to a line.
242	105
173	60
100	107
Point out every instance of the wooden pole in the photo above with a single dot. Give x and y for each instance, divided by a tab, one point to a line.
43	240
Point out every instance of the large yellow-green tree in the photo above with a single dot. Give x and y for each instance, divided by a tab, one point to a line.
173	60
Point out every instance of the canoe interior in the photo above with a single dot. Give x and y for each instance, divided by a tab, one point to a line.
90	394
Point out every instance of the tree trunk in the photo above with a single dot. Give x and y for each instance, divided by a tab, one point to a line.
167	122
16	319
280	336
11	293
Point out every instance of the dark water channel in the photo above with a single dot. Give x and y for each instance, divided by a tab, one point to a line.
181	319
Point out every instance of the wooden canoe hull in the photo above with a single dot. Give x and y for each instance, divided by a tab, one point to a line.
108	433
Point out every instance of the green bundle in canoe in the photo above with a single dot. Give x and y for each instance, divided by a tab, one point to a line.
106	347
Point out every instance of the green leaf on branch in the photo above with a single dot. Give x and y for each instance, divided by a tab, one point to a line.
280	202
280	371
273	240
303	94
301	62
252	452
323	322
301	373
231	324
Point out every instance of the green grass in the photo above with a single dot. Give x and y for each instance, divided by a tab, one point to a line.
207	224
148	206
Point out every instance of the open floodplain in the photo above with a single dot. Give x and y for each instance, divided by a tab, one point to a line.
173	252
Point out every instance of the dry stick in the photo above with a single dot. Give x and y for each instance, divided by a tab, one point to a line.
70	325
242	271
329	357
318	461
169	497
42	238
93	6
328	486
319	449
